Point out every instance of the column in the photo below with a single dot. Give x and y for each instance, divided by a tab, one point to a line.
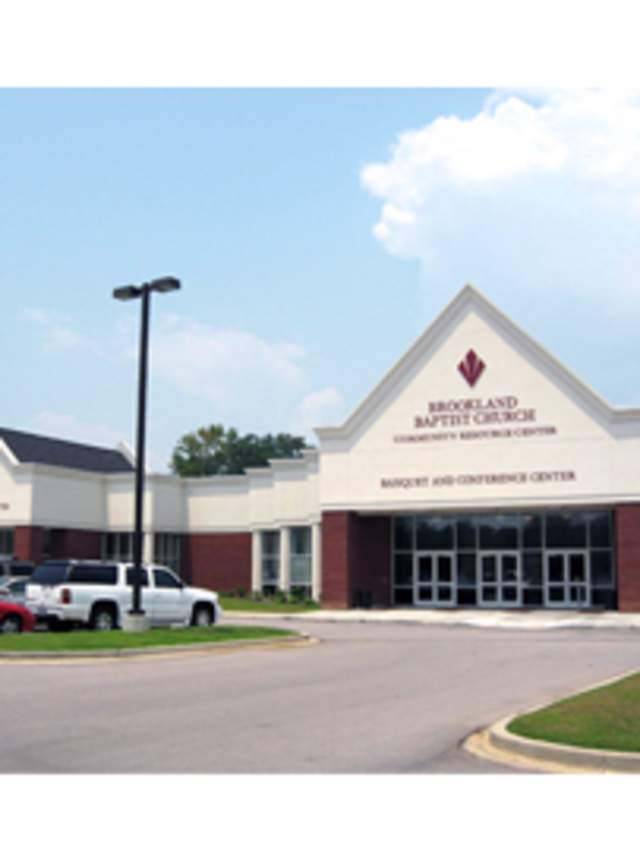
316	562
285	569
256	561
147	547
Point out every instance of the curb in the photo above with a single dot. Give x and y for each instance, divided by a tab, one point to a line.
527	624
500	745
497	744
561	757
302	639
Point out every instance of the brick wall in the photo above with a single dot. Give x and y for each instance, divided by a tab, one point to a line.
76	544
220	561
355	558
339	549
27	543
627	520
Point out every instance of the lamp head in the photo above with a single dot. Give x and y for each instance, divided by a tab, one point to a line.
164	284
127	292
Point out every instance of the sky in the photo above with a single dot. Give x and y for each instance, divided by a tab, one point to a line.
316	232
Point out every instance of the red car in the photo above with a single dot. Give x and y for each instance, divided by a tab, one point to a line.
15	618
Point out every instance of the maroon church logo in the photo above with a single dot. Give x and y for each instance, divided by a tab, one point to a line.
471	367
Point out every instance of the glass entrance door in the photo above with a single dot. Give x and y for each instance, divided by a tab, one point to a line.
435	579
500	579
567	579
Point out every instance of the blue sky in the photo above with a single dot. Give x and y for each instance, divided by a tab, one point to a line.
316	233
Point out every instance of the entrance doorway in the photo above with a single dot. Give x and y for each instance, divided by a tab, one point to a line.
567	579
500	579
434	579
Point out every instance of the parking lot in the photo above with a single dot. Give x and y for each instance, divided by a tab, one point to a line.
367	698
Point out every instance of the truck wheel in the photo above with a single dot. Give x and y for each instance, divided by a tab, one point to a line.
103	618
11	624
202	617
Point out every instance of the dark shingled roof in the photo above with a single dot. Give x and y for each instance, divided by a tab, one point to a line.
28	447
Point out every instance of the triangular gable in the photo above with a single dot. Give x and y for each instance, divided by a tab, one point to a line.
469	302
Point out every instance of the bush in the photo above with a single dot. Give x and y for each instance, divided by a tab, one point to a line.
299	594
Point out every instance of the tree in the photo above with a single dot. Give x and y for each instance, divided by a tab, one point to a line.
214	450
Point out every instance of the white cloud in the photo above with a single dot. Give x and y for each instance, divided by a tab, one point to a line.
317	409
538	193
239	378
201	374
57	335
212	362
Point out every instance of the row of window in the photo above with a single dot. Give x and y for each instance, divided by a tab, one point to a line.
509	531
167	548
533	558
299	560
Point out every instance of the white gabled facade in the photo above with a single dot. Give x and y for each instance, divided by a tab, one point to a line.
477	426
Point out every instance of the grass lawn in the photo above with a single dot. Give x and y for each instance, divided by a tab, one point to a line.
608	717
89	640
249	605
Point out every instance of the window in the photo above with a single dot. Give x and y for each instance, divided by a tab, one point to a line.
117	547
300	559
403	533
6	541
566	530
21	569
403	570
164	580
270	560
434	534
145	577
167	548
498	532
103	574
47	546
50	573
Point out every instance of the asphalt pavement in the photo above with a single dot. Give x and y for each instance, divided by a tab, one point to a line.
379	698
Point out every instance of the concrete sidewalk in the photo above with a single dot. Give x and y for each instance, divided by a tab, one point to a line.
507	619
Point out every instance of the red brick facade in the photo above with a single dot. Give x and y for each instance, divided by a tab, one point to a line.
27	543
356	559
220	561
76	544
627	519
339	548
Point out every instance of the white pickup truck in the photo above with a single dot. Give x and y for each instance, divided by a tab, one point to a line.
99	593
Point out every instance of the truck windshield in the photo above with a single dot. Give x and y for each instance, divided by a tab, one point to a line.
50	573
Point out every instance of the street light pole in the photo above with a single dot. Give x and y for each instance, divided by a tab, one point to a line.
162	285
140	451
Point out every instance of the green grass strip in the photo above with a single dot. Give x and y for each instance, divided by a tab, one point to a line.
608	717
249	605
87	640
